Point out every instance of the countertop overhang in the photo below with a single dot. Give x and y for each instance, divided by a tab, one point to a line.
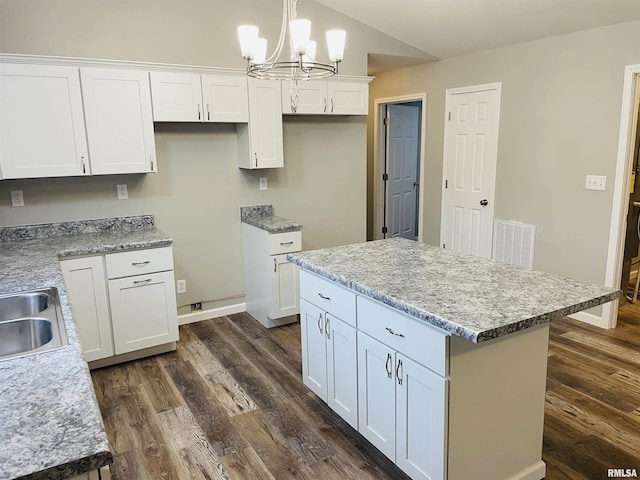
50	422
468	296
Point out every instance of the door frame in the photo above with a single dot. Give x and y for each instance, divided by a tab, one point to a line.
380	152
620	208
497	86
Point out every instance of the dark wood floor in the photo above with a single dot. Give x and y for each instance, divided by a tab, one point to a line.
229	404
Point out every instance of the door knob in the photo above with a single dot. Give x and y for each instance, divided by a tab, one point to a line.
484	202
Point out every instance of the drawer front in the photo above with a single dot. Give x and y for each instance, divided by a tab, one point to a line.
413	338
285	242
329	296
138	262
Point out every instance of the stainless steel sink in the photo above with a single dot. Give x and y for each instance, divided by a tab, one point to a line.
31	322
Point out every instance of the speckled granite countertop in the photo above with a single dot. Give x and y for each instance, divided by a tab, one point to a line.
261	216
50	423
472	297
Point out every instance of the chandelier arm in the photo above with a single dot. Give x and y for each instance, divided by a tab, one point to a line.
283	32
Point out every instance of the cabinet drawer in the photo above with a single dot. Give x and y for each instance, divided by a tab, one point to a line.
415	339
137	262
329	296
285	242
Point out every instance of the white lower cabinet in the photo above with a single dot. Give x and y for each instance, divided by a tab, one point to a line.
122	302
101	474
402	409
329	366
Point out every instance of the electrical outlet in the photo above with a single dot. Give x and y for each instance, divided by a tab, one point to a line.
263	183
181	286
196	306
123	194
17	200
595	182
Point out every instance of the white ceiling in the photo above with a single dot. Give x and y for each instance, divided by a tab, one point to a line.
448	28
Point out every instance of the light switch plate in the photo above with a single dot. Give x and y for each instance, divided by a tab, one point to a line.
595	182
17	200
263	183
123	194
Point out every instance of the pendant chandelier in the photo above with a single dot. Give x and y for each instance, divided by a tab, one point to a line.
301	63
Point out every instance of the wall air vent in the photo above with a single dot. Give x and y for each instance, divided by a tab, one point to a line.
514	242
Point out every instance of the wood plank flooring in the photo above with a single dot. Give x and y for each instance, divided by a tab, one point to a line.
230	404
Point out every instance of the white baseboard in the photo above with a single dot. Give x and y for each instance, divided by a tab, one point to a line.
211	313
591	319
534	472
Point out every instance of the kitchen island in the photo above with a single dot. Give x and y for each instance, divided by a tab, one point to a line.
438	358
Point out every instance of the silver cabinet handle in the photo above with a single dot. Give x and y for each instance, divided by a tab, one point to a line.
84	167
141	282
387	365
325	105
332	105
199	114
141	264
285	244
275	266
256	159
320	324
208	113
323	297
394	333
400	374
151	161
327	327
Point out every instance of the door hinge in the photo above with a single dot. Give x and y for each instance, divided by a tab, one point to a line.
444	245
449	116
384	229
385	177
386	121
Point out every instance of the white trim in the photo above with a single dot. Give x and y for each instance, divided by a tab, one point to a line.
497	86
592	319
127	64
613	272
211	313
378	147
534	472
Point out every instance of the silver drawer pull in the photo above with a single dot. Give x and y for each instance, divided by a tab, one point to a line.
394	333
141	282
140	264
284	244
323	297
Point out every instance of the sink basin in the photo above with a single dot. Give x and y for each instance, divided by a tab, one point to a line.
31	322
22	305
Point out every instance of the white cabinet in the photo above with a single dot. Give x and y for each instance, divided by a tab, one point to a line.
327	97
119	121
260	143
42	130
270	281
329	364
185	97
104	473
122	302
86	283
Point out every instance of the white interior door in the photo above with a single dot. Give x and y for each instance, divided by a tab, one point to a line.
469	168
403	163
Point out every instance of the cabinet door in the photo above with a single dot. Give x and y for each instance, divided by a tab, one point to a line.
225	98
41	122
143	311
376	394
314	353
177	97
421	410
85	281
264	134
119	121
347	98
312	97
285	278
342	369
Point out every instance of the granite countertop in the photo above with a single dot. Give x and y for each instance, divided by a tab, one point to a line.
262	217
468	296
50	423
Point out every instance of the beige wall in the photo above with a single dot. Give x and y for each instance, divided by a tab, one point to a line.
198	190
560	118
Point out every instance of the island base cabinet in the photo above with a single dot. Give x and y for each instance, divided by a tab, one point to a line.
329	364
143	311
402	409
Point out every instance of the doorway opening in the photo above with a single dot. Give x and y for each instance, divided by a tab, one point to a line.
399	141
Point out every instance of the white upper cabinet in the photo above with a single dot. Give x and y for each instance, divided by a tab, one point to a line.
260	142
119	121
185	97
41	122
326	97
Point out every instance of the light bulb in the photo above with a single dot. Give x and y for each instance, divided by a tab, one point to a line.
335	44
248	36
300	31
